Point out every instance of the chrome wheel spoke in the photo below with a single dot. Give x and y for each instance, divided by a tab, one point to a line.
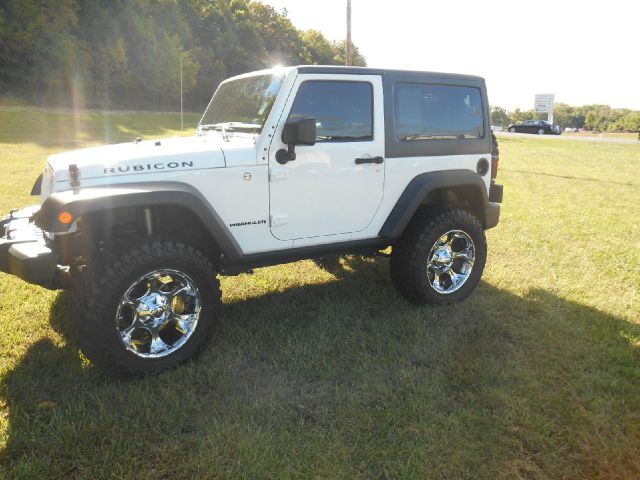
184	323
436	279
452	237
129	302
466	254
456	278
157	345
155	283
178	290
130	329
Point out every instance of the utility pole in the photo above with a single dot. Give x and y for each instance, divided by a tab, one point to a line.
181	112
349	48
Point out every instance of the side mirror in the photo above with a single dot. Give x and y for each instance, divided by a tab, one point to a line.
298	131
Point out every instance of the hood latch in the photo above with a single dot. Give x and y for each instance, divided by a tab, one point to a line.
74	173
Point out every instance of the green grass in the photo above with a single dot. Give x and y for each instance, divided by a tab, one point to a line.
330	374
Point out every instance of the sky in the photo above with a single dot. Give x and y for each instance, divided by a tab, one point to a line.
584	52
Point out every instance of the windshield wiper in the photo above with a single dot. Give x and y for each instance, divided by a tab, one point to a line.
221	127
227	127
231	126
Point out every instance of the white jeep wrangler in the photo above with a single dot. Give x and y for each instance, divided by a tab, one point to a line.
286	164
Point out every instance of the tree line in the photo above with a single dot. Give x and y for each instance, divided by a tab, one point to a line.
127	54
600	118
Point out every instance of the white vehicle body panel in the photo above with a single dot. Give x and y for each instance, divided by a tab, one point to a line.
323	192
400	171
239	202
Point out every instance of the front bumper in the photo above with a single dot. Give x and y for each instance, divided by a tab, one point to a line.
24	251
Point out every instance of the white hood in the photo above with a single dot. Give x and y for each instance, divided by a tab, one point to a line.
107	163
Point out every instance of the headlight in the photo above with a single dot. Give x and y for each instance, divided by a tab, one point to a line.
37	186
46	187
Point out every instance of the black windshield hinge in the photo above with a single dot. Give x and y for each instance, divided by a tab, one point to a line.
74	173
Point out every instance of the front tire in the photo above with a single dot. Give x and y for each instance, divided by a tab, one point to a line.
151	308
440	257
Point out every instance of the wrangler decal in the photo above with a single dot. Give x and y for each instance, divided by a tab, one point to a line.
252	222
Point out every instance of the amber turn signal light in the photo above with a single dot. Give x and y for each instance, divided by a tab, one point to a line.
65	218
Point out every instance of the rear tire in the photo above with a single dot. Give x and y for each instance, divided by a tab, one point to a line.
440	257
541	131
130	321
512	130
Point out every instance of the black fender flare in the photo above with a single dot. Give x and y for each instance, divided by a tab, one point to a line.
420	187
101	198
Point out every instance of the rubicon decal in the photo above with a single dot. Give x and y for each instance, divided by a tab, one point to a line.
147	167
252	222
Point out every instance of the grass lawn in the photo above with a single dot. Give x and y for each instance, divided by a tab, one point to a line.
328	373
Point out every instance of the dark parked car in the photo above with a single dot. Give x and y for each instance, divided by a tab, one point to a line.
540	127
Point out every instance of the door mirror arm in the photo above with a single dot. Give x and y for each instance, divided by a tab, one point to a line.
283	156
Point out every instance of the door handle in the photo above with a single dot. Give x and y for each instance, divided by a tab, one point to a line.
378	160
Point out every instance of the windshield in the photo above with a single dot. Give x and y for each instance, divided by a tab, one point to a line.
242	104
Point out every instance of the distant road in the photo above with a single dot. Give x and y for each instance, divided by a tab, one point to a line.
570	137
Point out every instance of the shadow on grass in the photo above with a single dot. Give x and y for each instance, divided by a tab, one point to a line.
347	379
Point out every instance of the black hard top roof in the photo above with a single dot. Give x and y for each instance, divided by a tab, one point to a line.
337	69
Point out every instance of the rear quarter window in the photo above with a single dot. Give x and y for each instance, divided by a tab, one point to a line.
437	112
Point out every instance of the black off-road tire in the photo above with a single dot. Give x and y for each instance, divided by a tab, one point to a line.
409	257
103	289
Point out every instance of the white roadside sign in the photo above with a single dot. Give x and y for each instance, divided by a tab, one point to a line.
544	104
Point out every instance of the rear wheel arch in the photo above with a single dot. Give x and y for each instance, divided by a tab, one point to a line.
457	188
467	197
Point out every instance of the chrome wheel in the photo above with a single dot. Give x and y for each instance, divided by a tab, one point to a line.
450	261
158	313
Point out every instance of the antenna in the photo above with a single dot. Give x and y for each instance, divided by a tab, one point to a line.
181	112
349	52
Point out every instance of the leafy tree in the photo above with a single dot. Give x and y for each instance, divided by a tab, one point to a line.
590	117
282	42
318	50
340	57
520	116
128	53
631	122
499	116
39	53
